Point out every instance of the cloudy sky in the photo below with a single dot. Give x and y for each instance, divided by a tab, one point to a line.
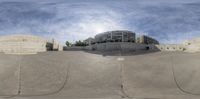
169	21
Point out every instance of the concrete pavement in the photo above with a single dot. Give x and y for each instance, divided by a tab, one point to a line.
9	74
79	74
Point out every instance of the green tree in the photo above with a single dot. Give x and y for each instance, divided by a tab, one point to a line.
80	43
68	43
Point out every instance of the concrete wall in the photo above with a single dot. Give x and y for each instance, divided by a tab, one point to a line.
127	46
146	40
192	45
187	46
26	44
192	48
75	48
170	47
22	44
111	46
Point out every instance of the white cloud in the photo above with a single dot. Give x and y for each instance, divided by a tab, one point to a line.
89	23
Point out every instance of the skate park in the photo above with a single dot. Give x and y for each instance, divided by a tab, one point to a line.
99	49
112	70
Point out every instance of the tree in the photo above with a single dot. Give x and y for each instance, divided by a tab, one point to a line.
68	43
80	43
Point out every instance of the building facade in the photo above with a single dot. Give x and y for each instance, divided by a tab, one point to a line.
89	41
146	40
115	36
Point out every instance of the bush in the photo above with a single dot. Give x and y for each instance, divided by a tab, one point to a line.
68	43
80	43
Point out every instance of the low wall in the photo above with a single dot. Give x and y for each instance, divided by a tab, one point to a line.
128	46
114	46
124	46
74	48
171	47
193	48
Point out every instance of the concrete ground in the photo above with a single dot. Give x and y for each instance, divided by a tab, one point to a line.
113	75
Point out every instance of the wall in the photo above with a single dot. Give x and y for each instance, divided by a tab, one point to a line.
146	40
125	46
22	44
192	45
128	46
171	47
74	48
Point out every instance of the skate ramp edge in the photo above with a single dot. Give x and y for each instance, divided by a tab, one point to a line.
162	75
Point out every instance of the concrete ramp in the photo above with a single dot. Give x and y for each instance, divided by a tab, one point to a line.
187	72
78	74
150	76
92	76
73	74
9	75
43	73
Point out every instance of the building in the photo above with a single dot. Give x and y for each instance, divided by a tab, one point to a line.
115	36
146	40
120	40
89	41
56	45
24	44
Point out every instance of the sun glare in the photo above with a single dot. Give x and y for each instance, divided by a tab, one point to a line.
99	28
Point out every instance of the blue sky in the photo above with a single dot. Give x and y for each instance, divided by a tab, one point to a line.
169	21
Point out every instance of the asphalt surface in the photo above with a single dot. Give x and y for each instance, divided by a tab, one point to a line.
109	75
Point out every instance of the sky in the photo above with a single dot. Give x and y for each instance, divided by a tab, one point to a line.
169	21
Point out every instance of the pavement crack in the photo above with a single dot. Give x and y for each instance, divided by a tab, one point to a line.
122	89
19	76
176	81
